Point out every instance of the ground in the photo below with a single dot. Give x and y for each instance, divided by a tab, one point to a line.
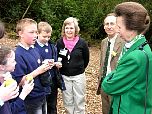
93	102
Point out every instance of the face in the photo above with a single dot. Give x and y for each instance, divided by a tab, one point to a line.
70	31
124	33
10	65
110	26
28	34
44	37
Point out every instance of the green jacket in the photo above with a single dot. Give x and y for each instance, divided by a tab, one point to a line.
127	83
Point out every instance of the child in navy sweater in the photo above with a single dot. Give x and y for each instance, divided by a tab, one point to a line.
8	87
10	90
29	62
48	52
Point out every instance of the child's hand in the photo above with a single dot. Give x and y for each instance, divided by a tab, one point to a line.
27	88
44	67
9	92
50	62
58	64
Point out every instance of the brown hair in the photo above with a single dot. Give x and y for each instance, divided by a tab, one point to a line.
44	26
2	29
23	22
4	53
68	21
135	16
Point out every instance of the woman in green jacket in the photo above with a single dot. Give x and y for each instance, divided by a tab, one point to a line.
130	84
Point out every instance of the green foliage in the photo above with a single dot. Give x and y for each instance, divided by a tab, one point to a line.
90	13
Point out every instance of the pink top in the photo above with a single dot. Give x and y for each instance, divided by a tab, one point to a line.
69	44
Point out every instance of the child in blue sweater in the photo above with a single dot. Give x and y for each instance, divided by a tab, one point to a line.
29	62
8	88
48	52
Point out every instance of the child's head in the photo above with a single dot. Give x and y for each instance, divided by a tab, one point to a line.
7	60
44	32
27	31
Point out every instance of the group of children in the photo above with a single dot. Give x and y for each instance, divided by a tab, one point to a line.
34	56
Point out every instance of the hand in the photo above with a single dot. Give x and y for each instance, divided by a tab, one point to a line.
58	64
50	62
27	88
41	69
44	67
9	92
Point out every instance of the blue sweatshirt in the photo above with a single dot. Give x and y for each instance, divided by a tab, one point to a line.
5	109
48	51
27	61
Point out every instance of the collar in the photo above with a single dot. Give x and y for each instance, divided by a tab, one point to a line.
113	39
129	44
26	48
41	44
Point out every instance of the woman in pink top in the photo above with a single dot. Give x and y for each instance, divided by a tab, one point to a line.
75	57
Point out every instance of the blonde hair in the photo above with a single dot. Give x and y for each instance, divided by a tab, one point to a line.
24	22
69	21
44	26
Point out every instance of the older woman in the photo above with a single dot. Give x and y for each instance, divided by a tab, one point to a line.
130	84
75	57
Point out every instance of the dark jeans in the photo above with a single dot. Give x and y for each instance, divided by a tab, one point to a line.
52	98
38	107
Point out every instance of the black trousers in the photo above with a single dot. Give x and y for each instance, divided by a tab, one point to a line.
52	98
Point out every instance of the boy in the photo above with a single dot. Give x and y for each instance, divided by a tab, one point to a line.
48	52
29	63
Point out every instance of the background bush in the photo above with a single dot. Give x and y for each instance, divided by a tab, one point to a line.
90	13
